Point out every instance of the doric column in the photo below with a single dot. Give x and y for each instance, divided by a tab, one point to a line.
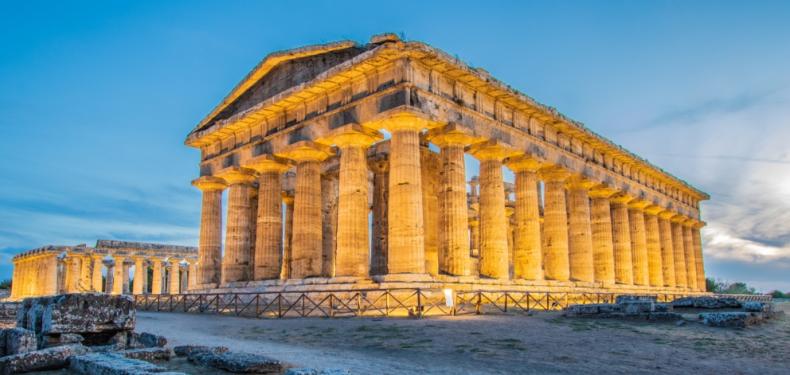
156	276
667	252
601	228
96	276
621	235
86	276
653	242
127	264
288	201
184	282
210	247
352	256
117	275
406	230
691	257
268	230
175	276
191	274
494	225
697	243
679	251
378	254
454	248
579	232
306	243
527	251
429	170
237	257
636	219
555	224
139	275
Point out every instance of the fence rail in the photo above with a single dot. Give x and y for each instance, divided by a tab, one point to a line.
378	302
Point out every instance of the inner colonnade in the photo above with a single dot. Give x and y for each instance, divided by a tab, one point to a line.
115	267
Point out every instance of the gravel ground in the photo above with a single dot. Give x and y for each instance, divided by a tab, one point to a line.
538	344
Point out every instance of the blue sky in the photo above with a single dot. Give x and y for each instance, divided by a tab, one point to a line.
96	99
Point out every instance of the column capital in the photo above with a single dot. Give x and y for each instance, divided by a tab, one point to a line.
288	197
237	175
523	163
209	183
554	173
492	150
622	198
638	204
404	119
379	165
602	191
698	224
654	209
351	135
452	134
267	163
305	151
666	214
678	218
579	182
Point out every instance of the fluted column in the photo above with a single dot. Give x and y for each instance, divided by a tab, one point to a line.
117	276
697	242
139	275
191	275
111	281
555	225
691	257
636	219
96	276
680	253
352	256
378	254
653	242
236	261
288	201
579	230
127	264
307	236
156	277
494	225
454	246
621	235
175	276
527	252
601	228
210	246
667	252
268	230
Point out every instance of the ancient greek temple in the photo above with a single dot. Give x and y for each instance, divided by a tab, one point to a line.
344	166
116	267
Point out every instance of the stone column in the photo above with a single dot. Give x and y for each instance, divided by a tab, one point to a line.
636	219
429	170
192	274
494	225
139	275
210	247
352	256
110	278
268	231
680	252
555	225
601	228
307	240
697	243
86	276
579	230
156	277
184	282
96	276
474	243
527	252
454	246
621	234
667	252
118	279
237	257
691	258
125	276
175	276
378	255
288	201
653	241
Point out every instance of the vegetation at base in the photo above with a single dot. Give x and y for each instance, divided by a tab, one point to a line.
723	287
778	294
5	284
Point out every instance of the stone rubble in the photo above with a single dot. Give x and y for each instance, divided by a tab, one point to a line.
186	350
236	362
148	354
707	302
44	359
16	341
312	371
631	307
111	364
735	319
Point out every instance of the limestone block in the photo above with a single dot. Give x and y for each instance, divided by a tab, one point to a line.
664	316
148	354
628	298
729	319
146	340
186	350
706	302
754	306
18	340
236	362
44	359
111	364
636	307
312	371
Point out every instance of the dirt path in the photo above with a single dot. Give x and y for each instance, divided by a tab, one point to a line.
538	344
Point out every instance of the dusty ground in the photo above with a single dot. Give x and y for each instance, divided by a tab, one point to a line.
541	343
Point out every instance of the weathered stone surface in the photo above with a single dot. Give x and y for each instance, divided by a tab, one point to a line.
591	309
77	313
636	307
17	340
236	362
148	354
662	307
753	306
706	302
312	371
111	364
628	298
729	319
146	340
664	316
50	358
186	350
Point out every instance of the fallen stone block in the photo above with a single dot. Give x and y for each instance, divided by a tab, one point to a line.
636	307
111	364
631	298
146	340
590	309
729	319
18	340
186	350
707	302
148	354
44	359
754	306
58	340
662	307
236	362
312	371
664	316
